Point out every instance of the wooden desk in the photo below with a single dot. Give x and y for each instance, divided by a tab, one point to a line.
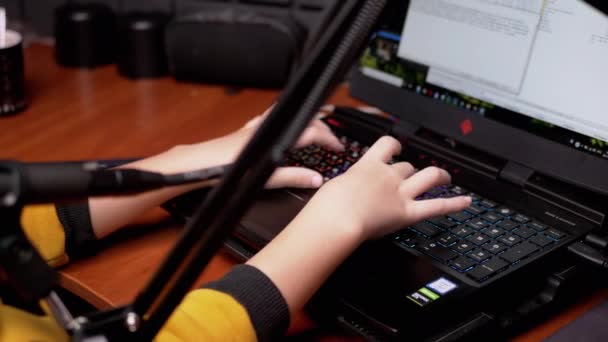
97	114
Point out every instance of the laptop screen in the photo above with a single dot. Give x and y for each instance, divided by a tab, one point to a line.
538	65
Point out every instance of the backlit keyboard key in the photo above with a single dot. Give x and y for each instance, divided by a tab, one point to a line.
510	240
458	190
495	247
462	231
461	216
439	252
554	233
508	225
477	224
493	232
505	211
488	204
447	239
427	229
479	255
462	263
475	209
487	269
492	217
525	232
519	252
521	218
541	240
464	247
478	239
539	227
443	222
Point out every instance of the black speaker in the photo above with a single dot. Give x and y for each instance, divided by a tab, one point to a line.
85	35
234	46
141	44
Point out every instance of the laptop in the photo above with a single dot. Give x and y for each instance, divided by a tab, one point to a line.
508	96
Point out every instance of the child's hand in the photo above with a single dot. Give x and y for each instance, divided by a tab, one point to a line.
317	132
374	199
298	177
109	214
224	150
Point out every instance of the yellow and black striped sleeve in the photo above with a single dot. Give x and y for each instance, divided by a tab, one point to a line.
244	305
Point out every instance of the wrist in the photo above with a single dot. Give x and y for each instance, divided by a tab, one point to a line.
182	158
316	218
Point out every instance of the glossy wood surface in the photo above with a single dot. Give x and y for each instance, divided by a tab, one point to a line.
97	114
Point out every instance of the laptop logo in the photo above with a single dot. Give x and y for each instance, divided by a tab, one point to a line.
442	286
466	127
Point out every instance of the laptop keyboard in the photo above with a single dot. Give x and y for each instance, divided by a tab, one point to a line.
481	242
328	163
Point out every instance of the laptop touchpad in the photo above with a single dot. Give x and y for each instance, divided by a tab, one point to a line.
271	213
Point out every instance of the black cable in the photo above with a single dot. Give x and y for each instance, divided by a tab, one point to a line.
196	176
596	241
592	250
589	253
61	182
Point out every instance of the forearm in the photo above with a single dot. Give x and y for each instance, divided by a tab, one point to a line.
111	213
303	256
108	214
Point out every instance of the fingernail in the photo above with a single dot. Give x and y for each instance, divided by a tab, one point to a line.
317	181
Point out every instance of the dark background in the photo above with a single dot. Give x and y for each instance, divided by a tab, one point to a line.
37	15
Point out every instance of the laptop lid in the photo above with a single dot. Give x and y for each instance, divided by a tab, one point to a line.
523	80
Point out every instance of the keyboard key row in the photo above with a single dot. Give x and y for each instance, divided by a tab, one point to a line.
487	269
467	250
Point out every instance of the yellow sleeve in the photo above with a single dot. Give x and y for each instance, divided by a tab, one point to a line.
17	325
208	315
204	315
43	228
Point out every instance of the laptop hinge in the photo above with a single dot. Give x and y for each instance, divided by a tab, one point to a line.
516	174
404	129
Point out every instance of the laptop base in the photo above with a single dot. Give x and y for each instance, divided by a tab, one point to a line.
386	293
562	288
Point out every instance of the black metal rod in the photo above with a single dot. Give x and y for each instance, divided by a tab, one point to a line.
601	5
225	206
145	299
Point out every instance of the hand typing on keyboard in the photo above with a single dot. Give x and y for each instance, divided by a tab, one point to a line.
371	199
375	197
224	150
481	242
328	163
317	134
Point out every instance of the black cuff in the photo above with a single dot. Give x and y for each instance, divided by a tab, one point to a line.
263	301
80	240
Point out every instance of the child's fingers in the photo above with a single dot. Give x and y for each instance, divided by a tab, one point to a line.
295	177
404	169
421	210
317	134
383	150
425	180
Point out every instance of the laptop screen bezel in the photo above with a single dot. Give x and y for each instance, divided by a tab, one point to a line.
512	144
